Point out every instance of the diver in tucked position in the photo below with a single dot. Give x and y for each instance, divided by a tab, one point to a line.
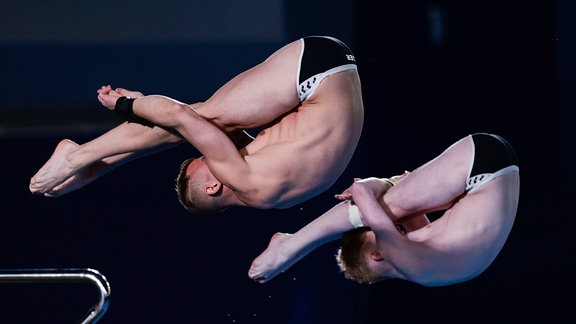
306	99
386	233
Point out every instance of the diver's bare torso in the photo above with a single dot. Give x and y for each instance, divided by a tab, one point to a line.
306	151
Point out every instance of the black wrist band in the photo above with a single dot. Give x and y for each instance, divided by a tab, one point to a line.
124	109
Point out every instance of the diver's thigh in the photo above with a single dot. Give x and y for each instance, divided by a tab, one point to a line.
259	95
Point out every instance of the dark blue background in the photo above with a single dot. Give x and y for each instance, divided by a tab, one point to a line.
432	72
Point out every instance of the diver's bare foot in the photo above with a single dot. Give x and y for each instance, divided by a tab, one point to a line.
65	187
55	171
78	180
273	261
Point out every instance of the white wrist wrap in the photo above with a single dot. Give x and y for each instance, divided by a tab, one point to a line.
354	215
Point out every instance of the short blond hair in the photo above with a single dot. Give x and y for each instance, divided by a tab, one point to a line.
351	257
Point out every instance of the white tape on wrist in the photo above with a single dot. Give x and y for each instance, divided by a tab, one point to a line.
354	215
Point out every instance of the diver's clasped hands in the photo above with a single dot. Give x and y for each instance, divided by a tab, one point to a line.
378	185
108	96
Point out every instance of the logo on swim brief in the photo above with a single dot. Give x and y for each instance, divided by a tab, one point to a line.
308	85
350	57
478	180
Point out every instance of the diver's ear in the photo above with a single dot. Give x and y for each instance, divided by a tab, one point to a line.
213	188
375	255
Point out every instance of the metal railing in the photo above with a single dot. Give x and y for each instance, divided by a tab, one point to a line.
65	276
